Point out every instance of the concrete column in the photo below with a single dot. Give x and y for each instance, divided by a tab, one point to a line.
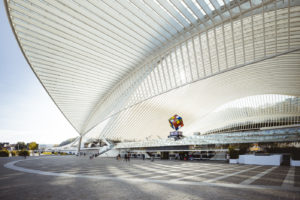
79	145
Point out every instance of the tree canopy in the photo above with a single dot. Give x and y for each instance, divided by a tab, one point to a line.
68	141
33	146
21	145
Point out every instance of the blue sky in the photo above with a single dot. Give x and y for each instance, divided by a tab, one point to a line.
26	111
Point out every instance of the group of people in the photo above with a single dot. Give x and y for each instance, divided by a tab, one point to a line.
127	156
94	155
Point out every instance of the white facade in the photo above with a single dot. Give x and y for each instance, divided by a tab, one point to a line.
274	160
295	163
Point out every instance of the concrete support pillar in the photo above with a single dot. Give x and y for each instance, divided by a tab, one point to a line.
79	145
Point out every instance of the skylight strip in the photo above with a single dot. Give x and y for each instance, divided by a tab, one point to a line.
209	5
197	5
189	10
179	11
170	14
221	2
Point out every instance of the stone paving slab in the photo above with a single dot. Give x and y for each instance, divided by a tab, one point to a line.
297	177
275	177
245	175
21	185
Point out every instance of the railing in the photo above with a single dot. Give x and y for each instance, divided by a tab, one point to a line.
275	135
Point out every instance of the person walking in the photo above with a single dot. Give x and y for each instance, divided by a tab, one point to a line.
126	157
227	157
143	156
152	158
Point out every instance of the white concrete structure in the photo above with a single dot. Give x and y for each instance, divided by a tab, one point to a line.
233	161
295	163
260	160
120	69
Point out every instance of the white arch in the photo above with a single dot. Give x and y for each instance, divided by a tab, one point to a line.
103	59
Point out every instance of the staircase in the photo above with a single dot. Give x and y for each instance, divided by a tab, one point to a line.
109	146
219	156
110	154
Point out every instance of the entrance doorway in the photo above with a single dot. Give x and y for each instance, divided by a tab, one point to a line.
165	155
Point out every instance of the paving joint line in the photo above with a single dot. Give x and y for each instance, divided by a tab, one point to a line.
232	174
289	179
257	176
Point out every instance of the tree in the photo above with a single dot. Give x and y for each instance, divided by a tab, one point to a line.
233	153
33	146
244	147
68	141
4	153
23	153
21	145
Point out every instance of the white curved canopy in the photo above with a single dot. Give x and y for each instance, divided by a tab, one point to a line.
126	66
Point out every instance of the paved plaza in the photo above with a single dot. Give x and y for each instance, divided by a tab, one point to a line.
70	177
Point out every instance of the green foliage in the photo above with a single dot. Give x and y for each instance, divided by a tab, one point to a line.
23	153
116	141
4	153
21	146
234	154
68	141
2	144
243	148
33	146
295	154
14	153
63	153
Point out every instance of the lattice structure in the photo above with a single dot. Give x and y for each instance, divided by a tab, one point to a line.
112	66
